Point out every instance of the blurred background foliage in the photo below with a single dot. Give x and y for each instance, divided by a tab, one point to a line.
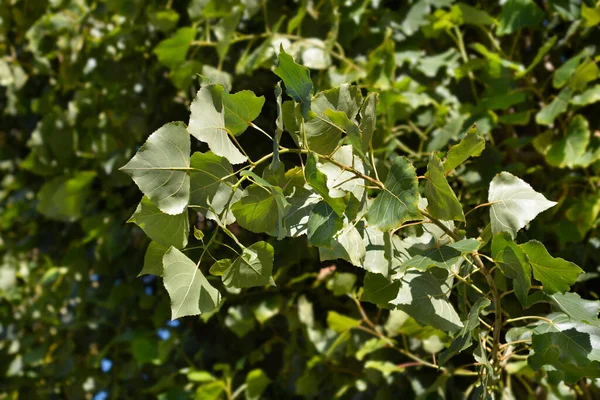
83	83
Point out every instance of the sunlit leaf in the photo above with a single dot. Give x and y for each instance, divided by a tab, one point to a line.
442	257
556	274
513	203
397	203
160	168
252	268
207	123
442	202
167	230
296	79
190	292
64	198
513	263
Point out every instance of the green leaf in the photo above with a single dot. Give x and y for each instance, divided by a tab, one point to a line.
517	14
370	346
567	151
379	290
471	145
210	391
211	181
513	263
384	252
318	181
239	320
296	79
472	15
386	368
219	267
190	292
368	119
549	112
167	230
241	109
225	30
577	308
262	209
565	72
513	204
590	16
173	51
347	245
556	274
586	72
323	224
253	268
341	181
160	168
64	198
267	308
442	202
542	51
441	136
423	295
354	135
207	123
463	339
570	348
397	203
442	257
340	323
589	96
341	283
256	383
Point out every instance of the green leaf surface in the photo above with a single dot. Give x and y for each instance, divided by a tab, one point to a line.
167	230
253	267
571	349
513	263
423	295
257	382
352	131
513	203
340	323
262	209
576	308
379	290
219	267
517	14
341	283
397	203
190	292
296	79
318	181
173	51
323	224
160	168
384	252
241	109
589	96
442	257
239	320
347	245
463	339
565	72
556	107
153	260
470	146
556	274
568	151
64	198
207	123
211	181
368	119
442	202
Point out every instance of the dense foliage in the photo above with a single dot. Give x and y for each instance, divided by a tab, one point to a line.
363	199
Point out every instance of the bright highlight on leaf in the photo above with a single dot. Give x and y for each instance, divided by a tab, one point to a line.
513	204
160	168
